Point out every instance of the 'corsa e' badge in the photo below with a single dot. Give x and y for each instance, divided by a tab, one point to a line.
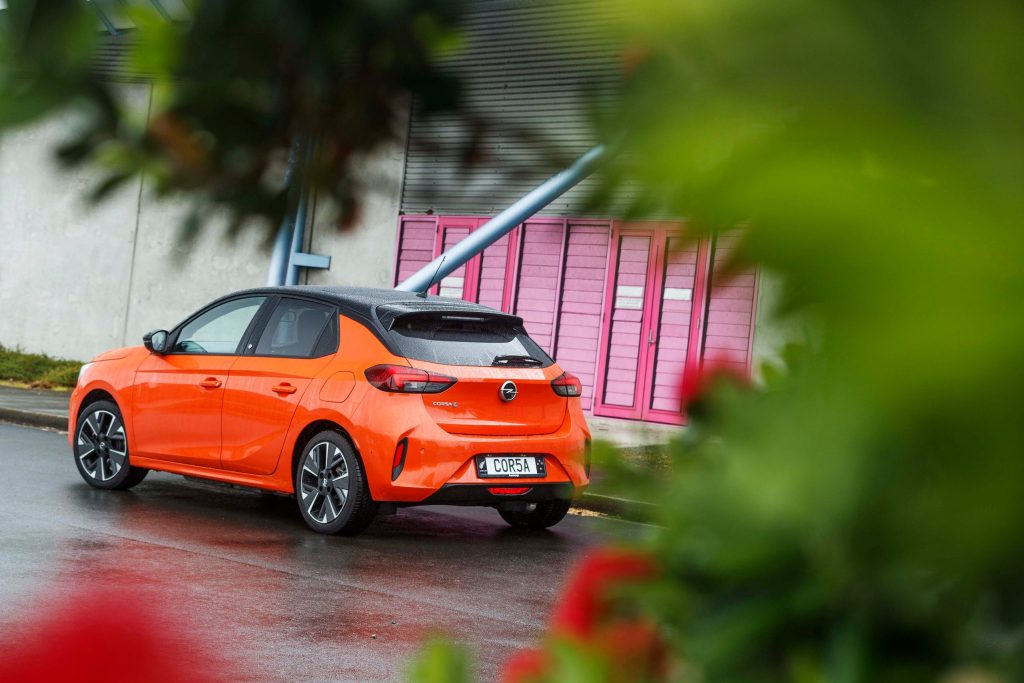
446	404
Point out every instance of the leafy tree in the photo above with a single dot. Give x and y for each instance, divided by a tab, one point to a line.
239	89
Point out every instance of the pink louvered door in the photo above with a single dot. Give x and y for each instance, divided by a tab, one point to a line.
416	245
579	320
671	314
461	281
539	279
620	390
493	282
730	312
653	281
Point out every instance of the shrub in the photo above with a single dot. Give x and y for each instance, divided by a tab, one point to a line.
37	369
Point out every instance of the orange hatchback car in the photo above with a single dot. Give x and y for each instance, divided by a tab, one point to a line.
353	400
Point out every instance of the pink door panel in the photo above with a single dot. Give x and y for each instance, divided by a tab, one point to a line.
651	338
539	279
416	236
494	288
579	323
456	284
619	392
669	335
730	312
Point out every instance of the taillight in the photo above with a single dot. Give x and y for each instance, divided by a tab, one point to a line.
567	384
406	380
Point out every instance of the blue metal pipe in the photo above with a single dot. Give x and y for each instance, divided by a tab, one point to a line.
298	234
104	19
279	258
491	231
277	272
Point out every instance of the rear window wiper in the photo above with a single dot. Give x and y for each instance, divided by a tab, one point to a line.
516	360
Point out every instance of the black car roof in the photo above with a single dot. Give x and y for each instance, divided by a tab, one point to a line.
363	301
374	308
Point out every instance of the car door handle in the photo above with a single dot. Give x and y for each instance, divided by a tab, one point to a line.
210	383
284	388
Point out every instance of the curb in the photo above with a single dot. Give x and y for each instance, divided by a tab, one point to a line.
625	508
24	417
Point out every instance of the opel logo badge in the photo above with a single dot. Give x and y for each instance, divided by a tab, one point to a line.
508	391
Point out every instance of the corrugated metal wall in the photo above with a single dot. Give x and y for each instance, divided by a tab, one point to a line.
529	69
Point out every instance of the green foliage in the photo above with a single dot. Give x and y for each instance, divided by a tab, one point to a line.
65	375
37	369
860	517
238	90
441	661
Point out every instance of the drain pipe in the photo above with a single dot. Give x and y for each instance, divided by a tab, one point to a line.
298	232
491	231
279	258
288	257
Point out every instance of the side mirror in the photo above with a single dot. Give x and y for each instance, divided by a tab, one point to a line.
155	341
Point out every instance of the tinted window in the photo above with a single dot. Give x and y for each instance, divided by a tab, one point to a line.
451	341
220	329
294	329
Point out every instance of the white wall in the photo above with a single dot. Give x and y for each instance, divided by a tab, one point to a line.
63	265
364	253
76	280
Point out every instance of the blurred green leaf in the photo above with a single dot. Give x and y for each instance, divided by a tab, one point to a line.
440	661
855	517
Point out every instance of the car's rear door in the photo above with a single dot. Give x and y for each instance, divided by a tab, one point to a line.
178	396
266	384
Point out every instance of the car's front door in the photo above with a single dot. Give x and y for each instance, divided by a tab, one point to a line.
178	396
268	381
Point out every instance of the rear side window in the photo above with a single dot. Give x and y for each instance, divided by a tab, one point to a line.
452	341
300	329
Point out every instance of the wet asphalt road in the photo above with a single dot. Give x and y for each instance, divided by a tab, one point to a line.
238	572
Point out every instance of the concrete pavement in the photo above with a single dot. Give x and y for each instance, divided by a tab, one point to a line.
36	407
239	571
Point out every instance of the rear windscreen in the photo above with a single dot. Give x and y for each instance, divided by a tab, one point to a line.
451	341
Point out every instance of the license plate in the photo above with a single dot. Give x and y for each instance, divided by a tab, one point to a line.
510	466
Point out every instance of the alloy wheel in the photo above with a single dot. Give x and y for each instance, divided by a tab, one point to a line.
102	446
324	482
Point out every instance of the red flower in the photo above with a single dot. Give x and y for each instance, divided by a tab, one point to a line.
587	619
634	651
103	639
697	381
525	666
586	601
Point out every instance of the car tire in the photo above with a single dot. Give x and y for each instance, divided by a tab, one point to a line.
546	514
330	486
101	448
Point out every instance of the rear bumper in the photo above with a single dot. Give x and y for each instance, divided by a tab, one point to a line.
439	467
480	494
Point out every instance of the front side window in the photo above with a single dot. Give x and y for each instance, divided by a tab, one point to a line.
295	327
219	330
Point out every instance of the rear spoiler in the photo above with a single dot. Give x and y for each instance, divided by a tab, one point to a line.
389	314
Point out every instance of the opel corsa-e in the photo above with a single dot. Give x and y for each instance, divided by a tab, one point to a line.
350	399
